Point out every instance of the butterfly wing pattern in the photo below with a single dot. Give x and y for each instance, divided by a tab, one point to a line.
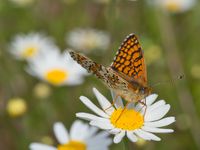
127	74
107	75
129	61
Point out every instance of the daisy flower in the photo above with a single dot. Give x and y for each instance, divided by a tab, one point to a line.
88	39
175	6
57	68
81	137
128	121
28	46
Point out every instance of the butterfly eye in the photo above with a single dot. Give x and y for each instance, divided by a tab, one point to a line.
142	90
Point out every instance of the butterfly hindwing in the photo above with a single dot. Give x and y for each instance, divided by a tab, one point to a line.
129	60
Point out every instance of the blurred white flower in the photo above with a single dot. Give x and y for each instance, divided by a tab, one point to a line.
28	46
129	121
175	6
81	137
57	68
22	2
88	39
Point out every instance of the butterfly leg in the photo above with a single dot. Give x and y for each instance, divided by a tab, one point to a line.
113	103
145	110
123	110
144	105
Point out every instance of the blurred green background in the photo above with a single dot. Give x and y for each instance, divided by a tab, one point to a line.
171	48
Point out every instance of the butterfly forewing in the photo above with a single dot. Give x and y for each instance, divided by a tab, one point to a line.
129	60
107	75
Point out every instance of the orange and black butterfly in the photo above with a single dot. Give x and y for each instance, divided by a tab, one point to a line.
126	76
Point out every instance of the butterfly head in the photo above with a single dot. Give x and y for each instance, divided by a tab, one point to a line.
137	94
142	92
145	91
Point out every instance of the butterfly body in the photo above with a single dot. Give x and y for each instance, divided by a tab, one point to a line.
126	76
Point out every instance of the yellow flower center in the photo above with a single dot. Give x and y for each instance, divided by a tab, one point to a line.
29	52
127	119
173	6
73	145
56	76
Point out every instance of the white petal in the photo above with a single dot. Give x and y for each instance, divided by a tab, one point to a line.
158	113
84	132
61	133
105	120
102	134
142	134
74	80
149	135
102	125
105	104
119	103
141	107
156	105
38	146
150	99
157	130
97	147
78	130
114	131
131	136
93	107
99	141
89	117
118	137
160	123
99	144
92	131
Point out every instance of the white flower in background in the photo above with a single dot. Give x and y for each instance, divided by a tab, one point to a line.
28	46
57	68
81	137
129	121
175	6
22	2
88	39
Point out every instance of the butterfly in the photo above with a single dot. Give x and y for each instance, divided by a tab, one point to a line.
127	75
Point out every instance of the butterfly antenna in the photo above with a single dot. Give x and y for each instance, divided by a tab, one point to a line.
171	81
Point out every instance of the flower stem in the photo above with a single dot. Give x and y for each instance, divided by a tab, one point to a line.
126	144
